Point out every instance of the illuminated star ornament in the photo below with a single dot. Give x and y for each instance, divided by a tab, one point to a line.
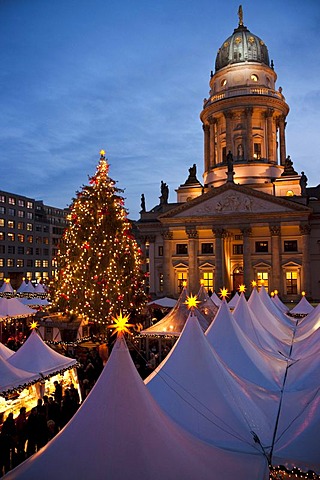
254	283
33	325
192	301
223	293
242	288
121	324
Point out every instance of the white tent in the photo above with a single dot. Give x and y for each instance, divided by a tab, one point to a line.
5	352
234	300
12	377
120	432
273	308
302	308
35	356
241	354
174	321
198	391
275	299
206	305
215	299
163	303
13	308
6	288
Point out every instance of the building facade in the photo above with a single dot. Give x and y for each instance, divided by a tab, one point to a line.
29	235
252	217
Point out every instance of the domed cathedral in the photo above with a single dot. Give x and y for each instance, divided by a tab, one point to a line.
253	216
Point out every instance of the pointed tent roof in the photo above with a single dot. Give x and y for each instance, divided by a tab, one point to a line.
241	354
12	377
5	352
206	305
234	300
272	307
199	392
35	356
131	438
164	302
174	321
6	287
279	303
13	308
215	299
302	308
39	288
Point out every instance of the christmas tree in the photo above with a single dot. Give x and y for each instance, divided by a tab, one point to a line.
99	260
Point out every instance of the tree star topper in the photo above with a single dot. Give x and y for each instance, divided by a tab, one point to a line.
192	301
121	324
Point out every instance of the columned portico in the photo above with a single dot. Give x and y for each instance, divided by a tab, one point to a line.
168	286
305	230
218	279
193	279
247	270
275	281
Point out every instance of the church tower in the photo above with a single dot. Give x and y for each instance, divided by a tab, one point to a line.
245	116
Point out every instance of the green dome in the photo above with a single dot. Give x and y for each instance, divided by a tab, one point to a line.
242	46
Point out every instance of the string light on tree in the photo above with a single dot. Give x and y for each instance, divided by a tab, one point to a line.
99	259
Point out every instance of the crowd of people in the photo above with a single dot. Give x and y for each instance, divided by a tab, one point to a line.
24	435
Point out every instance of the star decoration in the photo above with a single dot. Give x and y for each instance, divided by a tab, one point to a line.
242	288
33	325
121	324
223	292
192	301
254	283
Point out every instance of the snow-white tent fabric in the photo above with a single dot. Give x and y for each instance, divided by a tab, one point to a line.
39	289
6	287
198	391
22	287
241	354
12	377
12	307
5	352
206	305
35	356
302	308
120	432
165	302
215	299
272	307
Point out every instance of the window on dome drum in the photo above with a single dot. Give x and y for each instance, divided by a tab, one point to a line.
223	82
257	151
206	248
263	279
182	277
290	246
238	249
292	283
182	249
207	279
254	77
261	247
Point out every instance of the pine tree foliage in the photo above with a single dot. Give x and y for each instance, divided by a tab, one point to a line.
99	259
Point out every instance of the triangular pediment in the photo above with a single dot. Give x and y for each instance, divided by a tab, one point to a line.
234	199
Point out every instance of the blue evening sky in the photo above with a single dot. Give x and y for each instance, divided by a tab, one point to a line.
130	77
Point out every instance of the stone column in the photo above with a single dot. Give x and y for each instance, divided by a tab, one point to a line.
193	280
228	116
168	288
249	112
213	123
270	149
247	269
152	276
218	252
305	230
206	147
275	281
282	140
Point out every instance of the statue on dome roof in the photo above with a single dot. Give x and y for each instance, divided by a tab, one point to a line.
240	14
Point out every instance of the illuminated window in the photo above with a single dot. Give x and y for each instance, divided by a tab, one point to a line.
30	215
46	241
37	263
21	203
19	262
11	237
1	222
254	77
263	279
2	199
182	277
206	248
11	201
207	279
1	262
10	262
292	283
20	237
29	227
20	213
20	225
30	238
10	224
29	205
45	263
223	82
1	235
261	247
